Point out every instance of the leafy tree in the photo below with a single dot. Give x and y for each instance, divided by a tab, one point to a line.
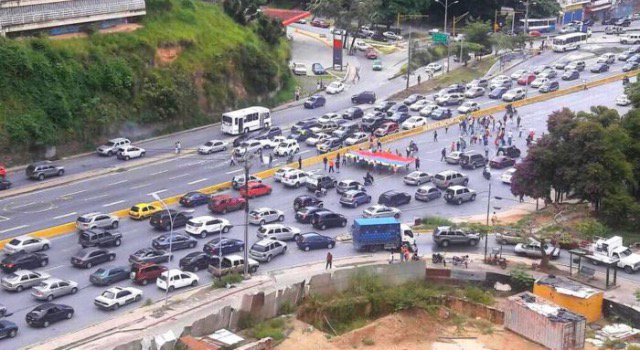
242	11
477	32
544	8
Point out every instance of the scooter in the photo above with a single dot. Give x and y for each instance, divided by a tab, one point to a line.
319	193
486	173
437	258
464	260
367	181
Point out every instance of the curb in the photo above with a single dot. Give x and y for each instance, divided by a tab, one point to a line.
68	227
313	36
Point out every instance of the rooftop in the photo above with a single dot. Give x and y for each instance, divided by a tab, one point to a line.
545	308
567	287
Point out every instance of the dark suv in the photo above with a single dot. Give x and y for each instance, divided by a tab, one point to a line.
472	160
394	198
43	169
316	182
306	201
511	151
325	219
364	97
161	220
109	275
100	239
443	236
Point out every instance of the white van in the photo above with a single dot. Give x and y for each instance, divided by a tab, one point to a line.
633	38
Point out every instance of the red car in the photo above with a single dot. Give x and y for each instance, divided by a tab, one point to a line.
143	274
224	203
371	54
500	162
320	23
3	172
256	190
535	34
526	79
386	129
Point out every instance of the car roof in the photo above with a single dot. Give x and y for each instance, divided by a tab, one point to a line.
24	237
263	209
456	187
174	272
22	272
234	257
140	205
265	242
90	215
203	218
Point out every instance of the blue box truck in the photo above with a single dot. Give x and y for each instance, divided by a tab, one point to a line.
380	233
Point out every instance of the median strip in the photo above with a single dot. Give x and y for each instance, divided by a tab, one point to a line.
70	227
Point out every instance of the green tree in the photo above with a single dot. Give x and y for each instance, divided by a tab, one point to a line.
477	32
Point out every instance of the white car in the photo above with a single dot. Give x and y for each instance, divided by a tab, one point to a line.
413	122
248	148
357	138
392	36
434	66
507	175
299	69
26	243
607	58
287	147
335	87
317	139
539	82
279	232
474	92
273	142
427	109
174	278
538	69
381	211
362	45
130	152
516	75
330	116
112	146
264	215
280	173
499	82
201	226
213	146
514	94
21	279
117	296
468	106
622	100
418	105
294	178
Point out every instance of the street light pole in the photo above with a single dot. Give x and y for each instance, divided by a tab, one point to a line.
409	59
486	237
164	205
446	13
246	219
526	17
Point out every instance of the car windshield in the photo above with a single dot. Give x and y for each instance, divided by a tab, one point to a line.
108	294
109	144
283	145
134	208
208	144
101	272
15	242
194	223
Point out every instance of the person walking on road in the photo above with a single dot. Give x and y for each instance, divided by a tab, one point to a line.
178	147
419	79
435	135
331	170
417	163
338	165
329	264
494	219
270	159
300	162
443	154
325	161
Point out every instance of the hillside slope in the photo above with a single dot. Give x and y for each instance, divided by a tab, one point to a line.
188	63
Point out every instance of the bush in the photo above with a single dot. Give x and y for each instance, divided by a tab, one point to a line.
435	221
227	279
478	295
274	328
521	280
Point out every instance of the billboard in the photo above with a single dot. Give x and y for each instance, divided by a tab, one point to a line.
337	52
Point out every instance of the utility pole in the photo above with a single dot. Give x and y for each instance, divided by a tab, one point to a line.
409	59
526	17
246	220
486	237
446	13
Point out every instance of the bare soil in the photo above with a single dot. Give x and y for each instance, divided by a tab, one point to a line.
167	55
121	28
409	330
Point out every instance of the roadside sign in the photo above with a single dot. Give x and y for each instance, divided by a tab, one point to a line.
441	38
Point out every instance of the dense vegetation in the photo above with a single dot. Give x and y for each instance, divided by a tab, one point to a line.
591	156
188	63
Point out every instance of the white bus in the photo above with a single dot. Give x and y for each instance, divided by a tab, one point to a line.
245	120
571	41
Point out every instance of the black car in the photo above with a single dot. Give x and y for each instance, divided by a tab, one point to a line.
5	184
8	329
268	133
372	121
304	125
623	22
47	313
163	220
599	68
243	138
196	261
88	257
317	69
440	114
23	260
394	198
353	113
364	97
305	215
498	92
110	275
314	240
300	135
570	75
174	241
511	151
193	199
379	37
456	88
326	219
398	117
224	245
384	106
306	201
397	108
92	238
315	101
608	21
150	256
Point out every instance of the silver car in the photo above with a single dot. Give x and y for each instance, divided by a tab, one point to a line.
453	158
213	146
22	279
459	195
417	178
381	211
27	244
97	220
265	250
279	232
111	147
49	289
262	216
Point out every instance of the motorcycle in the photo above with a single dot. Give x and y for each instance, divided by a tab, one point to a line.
464	260
486	173
437	258
368	181
319	193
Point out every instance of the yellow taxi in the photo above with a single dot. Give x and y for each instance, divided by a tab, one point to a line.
142	211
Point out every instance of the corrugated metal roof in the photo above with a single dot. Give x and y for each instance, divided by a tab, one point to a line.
545	308
568	287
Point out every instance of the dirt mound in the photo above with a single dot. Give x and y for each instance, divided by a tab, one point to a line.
168	54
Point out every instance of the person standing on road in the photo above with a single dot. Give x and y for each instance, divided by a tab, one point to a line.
270	159
518	120
331	170
325	161
435	135
419	79
300	162
329	264
338	165
446	129
453	147
494	219
509	138
417	163
443	154
178	147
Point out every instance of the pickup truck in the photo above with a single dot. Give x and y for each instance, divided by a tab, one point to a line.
232	264
610	250
100	239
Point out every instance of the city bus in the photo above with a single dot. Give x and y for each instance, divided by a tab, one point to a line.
246	120
571	41
542	25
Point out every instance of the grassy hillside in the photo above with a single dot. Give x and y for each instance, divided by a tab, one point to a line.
188	63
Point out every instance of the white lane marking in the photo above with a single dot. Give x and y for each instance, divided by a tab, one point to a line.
23	205
4	218
305	151
178	176
73	193
55	267
233	172
65	215
157	192
160	172
140	186
114	203
14	228
98	197
119	182
197	181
